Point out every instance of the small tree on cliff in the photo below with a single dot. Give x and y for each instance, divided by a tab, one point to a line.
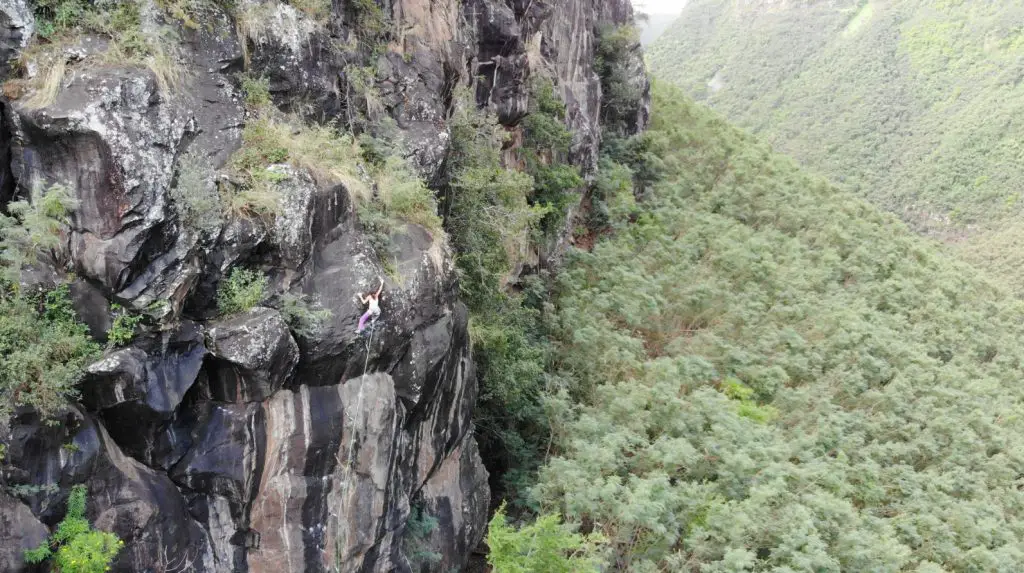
75	547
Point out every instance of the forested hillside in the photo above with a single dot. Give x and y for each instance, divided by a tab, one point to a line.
765	373
915	104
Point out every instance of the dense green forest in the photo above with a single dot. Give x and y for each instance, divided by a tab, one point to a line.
915	104
765	373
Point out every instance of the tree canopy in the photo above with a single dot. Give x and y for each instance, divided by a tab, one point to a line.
915	105
766	373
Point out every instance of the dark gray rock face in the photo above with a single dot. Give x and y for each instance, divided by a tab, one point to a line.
452	496
7	182
114	137
16	28
20	531
252	356
141	505
241	443
138	391
117	153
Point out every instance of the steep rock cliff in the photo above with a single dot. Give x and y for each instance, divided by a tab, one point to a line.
239	443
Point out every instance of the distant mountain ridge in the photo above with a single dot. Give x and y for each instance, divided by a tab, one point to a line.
916	105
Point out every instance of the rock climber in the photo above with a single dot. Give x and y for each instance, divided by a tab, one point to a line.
372	300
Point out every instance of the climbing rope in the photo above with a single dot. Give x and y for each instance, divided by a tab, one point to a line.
373	325
350	414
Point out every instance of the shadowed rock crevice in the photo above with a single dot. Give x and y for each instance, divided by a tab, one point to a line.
7	182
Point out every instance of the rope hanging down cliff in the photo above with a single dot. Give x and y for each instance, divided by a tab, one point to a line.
373	326
350	412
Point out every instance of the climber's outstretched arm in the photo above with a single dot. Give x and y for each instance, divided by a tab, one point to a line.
380	288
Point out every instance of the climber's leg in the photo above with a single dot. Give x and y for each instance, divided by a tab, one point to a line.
362	321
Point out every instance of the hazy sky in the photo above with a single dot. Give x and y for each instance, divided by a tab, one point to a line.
659	6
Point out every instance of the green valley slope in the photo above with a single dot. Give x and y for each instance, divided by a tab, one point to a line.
917	105
766	373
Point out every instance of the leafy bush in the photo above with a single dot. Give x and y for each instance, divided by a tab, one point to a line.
747	407
553	191
122	331
377	227
369	22
543	127
401	195
544	545
256	91
612	198
634	152
304	317
491	221
54	16
511	352
43	347
488	215
262	146
79	548
34	229
364	105
546	143
43	350
240	291
621	96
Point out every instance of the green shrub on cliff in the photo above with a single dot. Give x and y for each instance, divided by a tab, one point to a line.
491	222
43	346
34	229
620	95
196	200
60	23
75	547
545	150
122	330
384	187
304	316
240	291
487	210
43	350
